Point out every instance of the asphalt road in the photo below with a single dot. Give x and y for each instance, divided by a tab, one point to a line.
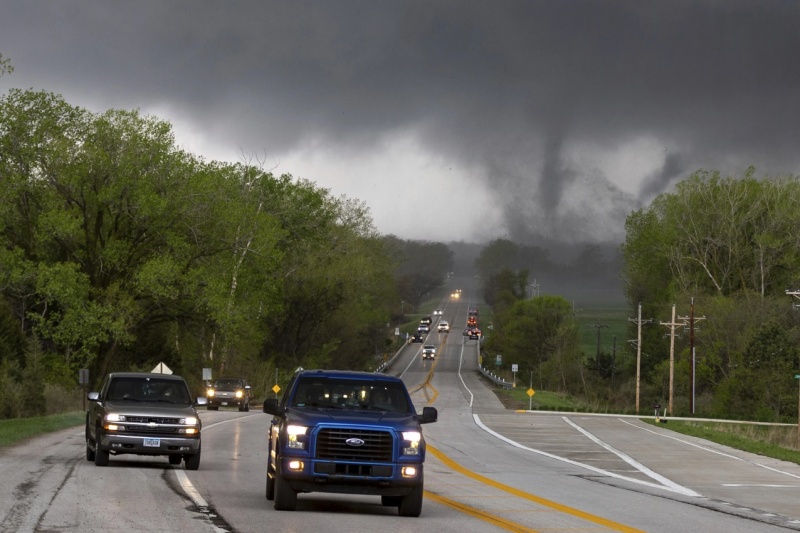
488	469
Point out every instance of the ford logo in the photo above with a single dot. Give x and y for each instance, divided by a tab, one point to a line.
354	442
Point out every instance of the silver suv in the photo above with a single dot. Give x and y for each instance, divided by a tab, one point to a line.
143	414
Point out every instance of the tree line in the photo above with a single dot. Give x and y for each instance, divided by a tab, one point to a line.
119	250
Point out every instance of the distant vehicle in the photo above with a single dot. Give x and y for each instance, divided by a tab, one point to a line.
234	392
444	326
424	328
428	351
475	334
437	312
143	414
417	337
472	320
426	320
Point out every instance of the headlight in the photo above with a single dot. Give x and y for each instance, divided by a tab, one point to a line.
412	438
294	432
114	417
239	394
189	421
210	393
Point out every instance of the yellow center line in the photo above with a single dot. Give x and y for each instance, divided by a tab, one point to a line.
427	385
610	524
508	525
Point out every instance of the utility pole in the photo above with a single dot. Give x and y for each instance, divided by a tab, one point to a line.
672	325
639	323
598	327
692	319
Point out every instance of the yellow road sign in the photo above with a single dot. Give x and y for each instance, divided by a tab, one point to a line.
531	392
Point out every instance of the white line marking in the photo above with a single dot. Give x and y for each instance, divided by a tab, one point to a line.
460	361
575	463
189	489
633	462
712	450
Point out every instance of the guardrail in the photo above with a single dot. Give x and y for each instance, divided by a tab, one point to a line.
383	366
497	379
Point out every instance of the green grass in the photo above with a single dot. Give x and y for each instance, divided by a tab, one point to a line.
16	430
611	322
518	398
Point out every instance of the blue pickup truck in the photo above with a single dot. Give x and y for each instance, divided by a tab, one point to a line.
347	433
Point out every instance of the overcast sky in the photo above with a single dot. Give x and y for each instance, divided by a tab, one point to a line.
451	120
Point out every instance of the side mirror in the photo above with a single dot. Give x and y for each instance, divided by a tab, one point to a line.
429	414
271	407
201	400
93	396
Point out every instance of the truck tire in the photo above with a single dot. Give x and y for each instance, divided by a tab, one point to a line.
100	455
89	450
270	485
411	504
175	458
285	496
192	462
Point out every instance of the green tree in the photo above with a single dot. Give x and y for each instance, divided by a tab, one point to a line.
540	334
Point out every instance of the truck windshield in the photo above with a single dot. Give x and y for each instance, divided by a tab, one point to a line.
351	394
148	390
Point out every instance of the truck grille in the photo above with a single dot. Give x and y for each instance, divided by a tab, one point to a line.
332	444
148	419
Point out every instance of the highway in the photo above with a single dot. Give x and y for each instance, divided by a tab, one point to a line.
488	469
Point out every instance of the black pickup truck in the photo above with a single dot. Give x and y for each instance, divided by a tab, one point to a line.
350	433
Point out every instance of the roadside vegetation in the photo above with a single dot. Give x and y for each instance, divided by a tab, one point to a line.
14	431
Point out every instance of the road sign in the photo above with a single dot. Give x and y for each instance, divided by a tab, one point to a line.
276	389
515	368
531	392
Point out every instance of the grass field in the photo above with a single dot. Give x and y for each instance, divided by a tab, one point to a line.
611	324
17	430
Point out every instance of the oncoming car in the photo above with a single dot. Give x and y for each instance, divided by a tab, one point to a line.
428	351
234	392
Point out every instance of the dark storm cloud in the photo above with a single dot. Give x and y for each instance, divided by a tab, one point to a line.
512	90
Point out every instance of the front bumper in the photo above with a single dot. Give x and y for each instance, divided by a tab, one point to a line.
119	444
382	479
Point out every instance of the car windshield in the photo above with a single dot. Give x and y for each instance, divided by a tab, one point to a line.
135	389
351	394
228	384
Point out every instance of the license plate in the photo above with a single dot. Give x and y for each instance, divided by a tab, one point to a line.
152	443
223	403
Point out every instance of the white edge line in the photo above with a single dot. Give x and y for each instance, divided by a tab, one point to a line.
460	361
569	461
633	462
189	489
